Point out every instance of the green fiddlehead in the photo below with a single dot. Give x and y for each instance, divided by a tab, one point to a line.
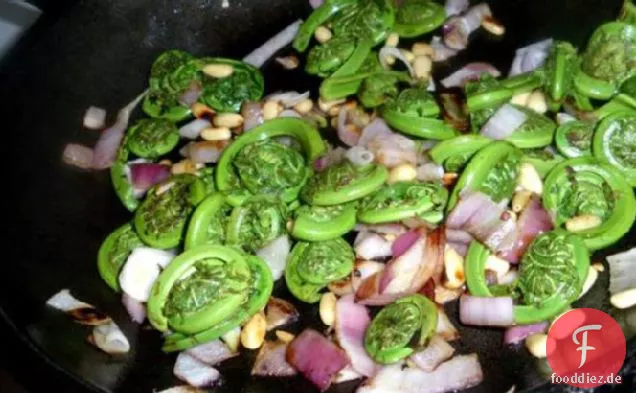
209	222
455	153
418	17
365	19
380	87
402	200
317	223
536	131
615	143
396	326
344	182
120	179
227	94
560	67
543	160
574	139
161	219
114	252
312	266
152	138
256	222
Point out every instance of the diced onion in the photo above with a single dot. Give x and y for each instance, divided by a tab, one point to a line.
486	311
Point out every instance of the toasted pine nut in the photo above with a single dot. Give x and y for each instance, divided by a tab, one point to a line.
232	339
323	34
449	179
499	266
178	168
341	287
253	333
390	60
521	200
327	308
537	345
453	268
408	55
392	40
304	106
402	172
164	187
422	66
529	179
493	26
218	70
284	336
289	62
625	299
598	267
216	134
166	162
537	102
422	49
200	110
520	99
589	281
326	105
229	120
271	110
583	223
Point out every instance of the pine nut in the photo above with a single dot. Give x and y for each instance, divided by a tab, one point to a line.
422	49
408	55
453	268
284	336
422	66
216	134
253	333
520	99
218	70
529	179
229	120
402	172
166	162
323	34
304	106
625	299
389	60
289	62
583	223
493	26
537	102
521	200
599	267
327	308
537	345
392	40
499	266
271	110
232	339
200	110
326	105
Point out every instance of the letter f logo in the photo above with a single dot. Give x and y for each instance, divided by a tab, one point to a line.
583	346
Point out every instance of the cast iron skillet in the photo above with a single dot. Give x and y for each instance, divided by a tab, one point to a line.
99	53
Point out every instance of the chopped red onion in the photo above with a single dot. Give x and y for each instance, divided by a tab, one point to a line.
261	55
194	372
290	113
531	57
486	311
563	118
461	248
404	242
95	118
442	52
110	339
458	29
350	325
136	309
468	73
516	334
316	3
436	352
270	361
205	152
430	172
280	312
191	95
504	122
193	129
275	255
454	110
359	156
445	328
78	155
622	272
370	245
145	175
533	221
110	139
252	113
459	373
395	53
211	353
456	7
288	99
347	133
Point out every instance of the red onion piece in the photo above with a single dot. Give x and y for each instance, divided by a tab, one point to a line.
252	113
370	245
461	248
504	122
95	118
110	139
390	149
486	311
145	175
436	352
396	54
212	353
350	325
316	3
275	254
316	358
270	361
194	372
442	52
193	129
191	95
404	242
468	73
261	55
347	133
320	164
288	99
290	113
622	272
516	334
136	310
458	29
206	152
531	57
456	7
78	155
280	312
533	221
359	156
454	110
445	328
430	172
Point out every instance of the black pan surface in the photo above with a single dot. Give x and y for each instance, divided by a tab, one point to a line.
99	53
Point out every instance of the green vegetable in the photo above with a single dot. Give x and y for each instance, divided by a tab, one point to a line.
552	273
228	94
585	186
114	252
380	87
410	319
152	138
161	219
259	220
543	160
337	87
610	58
618	103
574	139
628	13
365	20
317	223
560	66
342	183
629	87
615	143
454	153
338	57
399	201
206	175
208	223
484	97
312	266
418	17
411	113
120	179
493	171
320	16
537	131
526	82
227	178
